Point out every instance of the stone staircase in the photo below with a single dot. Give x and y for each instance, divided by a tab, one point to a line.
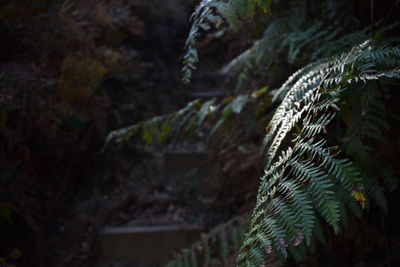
153	245
145	245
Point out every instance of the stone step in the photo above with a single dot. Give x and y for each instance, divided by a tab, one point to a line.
146	245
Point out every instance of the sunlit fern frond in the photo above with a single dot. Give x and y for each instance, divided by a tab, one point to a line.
301	171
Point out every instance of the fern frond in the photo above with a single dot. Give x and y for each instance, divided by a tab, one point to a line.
159	127
212	13
306	177
185	121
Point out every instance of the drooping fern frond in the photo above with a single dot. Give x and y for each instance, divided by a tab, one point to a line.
302	174
202	19
212	13
157	129
191	118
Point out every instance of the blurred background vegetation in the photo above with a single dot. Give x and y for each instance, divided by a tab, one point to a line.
71	71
